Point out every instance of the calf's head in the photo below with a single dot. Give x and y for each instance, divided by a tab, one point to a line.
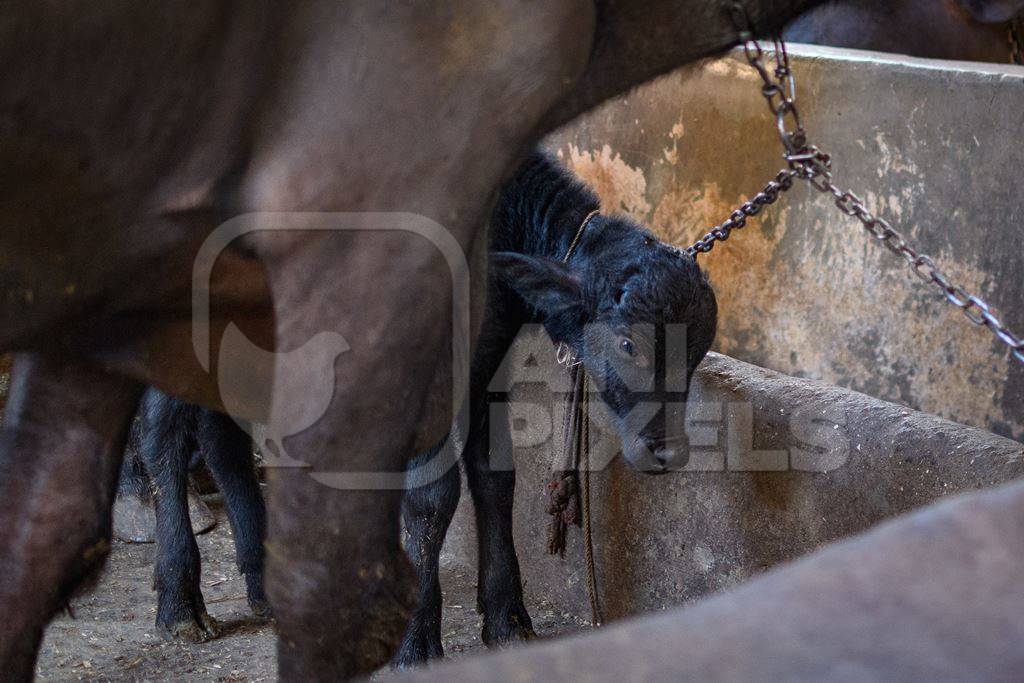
639	315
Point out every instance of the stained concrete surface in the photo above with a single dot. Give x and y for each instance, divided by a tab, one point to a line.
935	147
934	595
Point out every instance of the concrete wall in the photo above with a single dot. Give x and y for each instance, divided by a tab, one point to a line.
935	147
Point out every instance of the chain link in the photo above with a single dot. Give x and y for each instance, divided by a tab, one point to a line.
738	218
811	164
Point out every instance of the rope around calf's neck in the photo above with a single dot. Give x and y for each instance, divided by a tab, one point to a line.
583	444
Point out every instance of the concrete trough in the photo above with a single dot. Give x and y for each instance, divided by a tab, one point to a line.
931	596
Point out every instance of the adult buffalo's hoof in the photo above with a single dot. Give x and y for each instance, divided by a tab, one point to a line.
198	630
135	520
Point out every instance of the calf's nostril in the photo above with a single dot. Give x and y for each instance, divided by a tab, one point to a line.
663	456
672	457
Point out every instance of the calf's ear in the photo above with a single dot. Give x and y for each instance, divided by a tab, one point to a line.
993	11
545	284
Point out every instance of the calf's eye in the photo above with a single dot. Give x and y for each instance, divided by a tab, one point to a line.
626	347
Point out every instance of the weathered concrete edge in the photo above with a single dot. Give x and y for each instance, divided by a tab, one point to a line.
897	61
878	421
648	646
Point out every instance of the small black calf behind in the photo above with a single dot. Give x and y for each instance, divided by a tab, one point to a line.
614	295
166	434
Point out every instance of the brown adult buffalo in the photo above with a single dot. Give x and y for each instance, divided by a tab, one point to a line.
130	131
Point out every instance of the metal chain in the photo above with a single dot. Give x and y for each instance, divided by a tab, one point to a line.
783	87
811	164
738	218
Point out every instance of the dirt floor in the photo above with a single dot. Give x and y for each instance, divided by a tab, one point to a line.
112	636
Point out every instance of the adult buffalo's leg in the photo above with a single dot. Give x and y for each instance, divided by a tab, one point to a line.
431	88
228	452
338	580
63	435
340	584
168	437
427	512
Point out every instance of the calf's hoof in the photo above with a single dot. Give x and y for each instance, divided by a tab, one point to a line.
509	625
258	602
198	630
261	608
417	648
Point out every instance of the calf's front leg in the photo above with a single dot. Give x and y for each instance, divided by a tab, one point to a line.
338	580
228	452
492	483
165	447
64	431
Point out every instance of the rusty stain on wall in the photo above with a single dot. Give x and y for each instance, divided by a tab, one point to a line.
621	187
672	154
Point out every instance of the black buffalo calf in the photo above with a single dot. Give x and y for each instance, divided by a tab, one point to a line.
613	294
166	437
